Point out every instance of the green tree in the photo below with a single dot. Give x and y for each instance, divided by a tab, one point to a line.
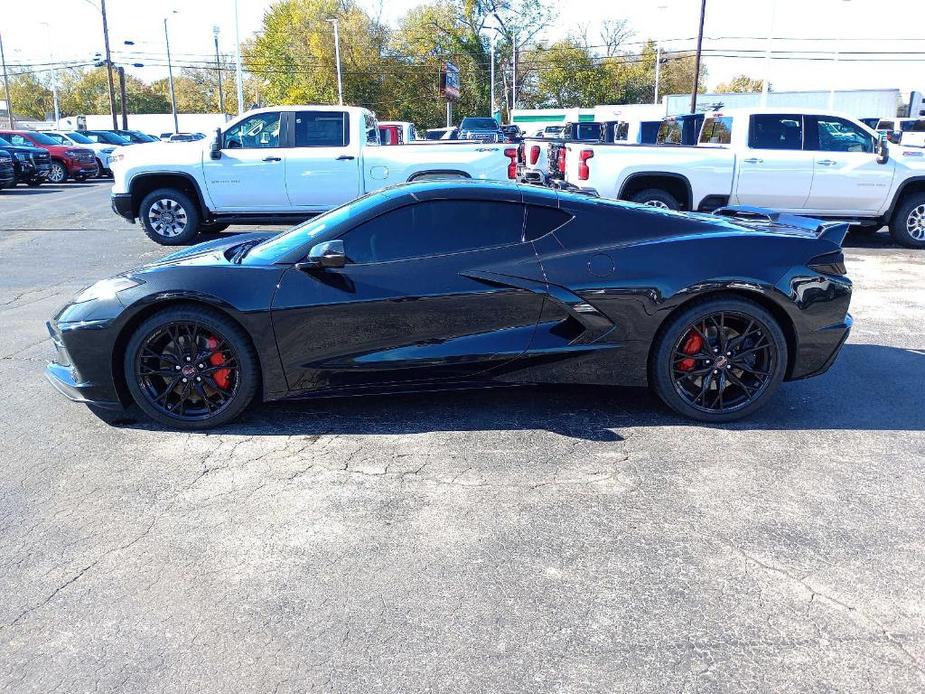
740	84
87	91
31	98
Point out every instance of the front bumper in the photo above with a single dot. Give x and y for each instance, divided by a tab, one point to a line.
122	206
81	168
97	389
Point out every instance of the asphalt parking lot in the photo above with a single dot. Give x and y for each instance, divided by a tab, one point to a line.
555	539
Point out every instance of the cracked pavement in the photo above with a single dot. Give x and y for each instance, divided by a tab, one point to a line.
554	539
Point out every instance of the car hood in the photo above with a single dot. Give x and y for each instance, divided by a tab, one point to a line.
208	253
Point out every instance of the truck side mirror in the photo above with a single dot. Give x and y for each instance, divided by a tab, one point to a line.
883	151
215	150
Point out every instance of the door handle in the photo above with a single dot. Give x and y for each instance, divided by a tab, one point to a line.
346	157
827	162
753	160
272	159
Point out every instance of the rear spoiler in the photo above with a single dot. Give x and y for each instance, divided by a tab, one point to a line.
829	231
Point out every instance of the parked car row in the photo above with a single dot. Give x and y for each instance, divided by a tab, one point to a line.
800	161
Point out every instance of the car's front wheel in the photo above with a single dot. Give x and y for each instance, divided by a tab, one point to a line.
191	368
719	360
908	224
169	217
58	173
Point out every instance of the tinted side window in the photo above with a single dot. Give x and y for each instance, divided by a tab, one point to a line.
838	135
434	228
885	125
259	131
542	220
773	131
372	129
322	129
716	131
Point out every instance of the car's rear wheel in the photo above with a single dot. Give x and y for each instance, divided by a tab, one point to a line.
191	368
908	224
655	197
169	217
58	173
719	360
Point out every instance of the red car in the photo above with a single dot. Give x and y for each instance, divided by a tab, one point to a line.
66	162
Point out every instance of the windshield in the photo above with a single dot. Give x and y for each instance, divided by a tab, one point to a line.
479	124
137	135
79	138
42	139
278	247
58	139
5	143
109	138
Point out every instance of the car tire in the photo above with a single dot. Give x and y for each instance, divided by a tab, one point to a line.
908	224
160	396
169	217
655	197
754	342
58	173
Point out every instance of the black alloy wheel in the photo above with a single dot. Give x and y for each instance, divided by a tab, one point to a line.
720	360
190	368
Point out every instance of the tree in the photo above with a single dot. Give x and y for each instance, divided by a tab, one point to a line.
31	98
87	91
740	84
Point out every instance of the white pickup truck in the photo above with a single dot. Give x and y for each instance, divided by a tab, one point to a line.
801	161
279	165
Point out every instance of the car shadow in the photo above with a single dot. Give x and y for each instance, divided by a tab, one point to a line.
870	387
42	189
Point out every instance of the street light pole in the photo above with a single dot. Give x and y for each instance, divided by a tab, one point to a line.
514	74
340	83
218	70
658	68
238	74
766	84
703	12
6	86
54	73
173	95
112	88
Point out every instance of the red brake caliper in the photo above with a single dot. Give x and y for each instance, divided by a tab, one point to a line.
692	345
222	377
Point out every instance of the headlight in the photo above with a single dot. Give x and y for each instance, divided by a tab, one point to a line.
106	289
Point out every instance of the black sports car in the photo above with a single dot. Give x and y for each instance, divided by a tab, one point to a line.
459	284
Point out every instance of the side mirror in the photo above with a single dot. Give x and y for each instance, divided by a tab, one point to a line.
324	255
883	152
215	150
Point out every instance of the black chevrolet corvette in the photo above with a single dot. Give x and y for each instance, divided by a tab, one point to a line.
450	284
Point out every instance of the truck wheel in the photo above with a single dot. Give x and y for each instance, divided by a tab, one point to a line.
169	217
908	224
653	197
58	173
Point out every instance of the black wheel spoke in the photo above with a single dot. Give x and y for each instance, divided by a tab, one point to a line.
732	366
175	370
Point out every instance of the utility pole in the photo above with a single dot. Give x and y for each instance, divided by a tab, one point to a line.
340	83
492	73
703	12
238	74
6	86
121	71
112	88
218	70
173	95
